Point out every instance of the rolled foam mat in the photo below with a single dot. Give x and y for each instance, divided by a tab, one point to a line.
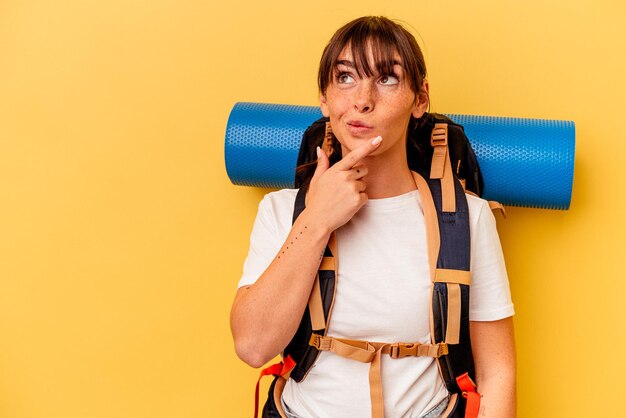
524	162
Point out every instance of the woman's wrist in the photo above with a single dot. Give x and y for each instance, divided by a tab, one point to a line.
315	224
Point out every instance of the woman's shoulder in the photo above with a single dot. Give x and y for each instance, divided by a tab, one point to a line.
474	202
277	206
477	207
280	198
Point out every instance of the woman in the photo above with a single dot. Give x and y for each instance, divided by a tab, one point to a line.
373	88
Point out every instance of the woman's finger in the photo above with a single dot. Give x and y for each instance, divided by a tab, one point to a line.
357	154
359	171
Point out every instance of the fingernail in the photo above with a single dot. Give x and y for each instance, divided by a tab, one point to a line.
377	140
318	152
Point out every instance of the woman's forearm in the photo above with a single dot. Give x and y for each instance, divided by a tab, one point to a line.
266	315
493	345
498	398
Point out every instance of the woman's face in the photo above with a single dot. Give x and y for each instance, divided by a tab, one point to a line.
363	108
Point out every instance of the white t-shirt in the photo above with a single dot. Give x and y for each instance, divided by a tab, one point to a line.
382	294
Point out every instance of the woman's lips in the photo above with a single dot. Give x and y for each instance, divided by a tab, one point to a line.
359	128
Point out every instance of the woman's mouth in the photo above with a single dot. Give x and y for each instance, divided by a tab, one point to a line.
359	128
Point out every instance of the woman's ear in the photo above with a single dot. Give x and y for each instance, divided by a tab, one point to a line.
421	101
324	106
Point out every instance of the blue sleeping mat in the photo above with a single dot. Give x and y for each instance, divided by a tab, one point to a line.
524	162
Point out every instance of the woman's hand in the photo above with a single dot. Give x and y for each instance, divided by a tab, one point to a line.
336	193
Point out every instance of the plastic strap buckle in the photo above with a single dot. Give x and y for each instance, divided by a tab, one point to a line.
403	350
319	342
472	397
442	350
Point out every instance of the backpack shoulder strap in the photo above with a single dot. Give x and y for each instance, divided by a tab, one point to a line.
448	240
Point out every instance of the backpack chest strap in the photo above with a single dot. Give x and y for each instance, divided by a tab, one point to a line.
371	352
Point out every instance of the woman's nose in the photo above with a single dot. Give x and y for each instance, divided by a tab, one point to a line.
365	97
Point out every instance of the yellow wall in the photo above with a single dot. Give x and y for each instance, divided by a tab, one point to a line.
121	238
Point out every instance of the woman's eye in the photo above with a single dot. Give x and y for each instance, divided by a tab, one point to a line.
389	80
345	78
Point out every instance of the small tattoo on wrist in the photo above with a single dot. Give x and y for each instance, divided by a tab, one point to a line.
290	243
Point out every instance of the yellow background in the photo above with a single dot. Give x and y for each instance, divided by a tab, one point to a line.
122	239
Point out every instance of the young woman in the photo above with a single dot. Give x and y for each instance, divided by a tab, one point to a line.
373	87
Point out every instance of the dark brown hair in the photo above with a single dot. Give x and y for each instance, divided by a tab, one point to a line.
383	37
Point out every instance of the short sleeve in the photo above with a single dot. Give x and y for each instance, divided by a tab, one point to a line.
264	244
490	296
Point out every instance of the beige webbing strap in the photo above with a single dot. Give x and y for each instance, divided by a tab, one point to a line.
431	221
316	307
493	205
370	352
328	263
439	142
364	351
376	387
453	326
452	276
453	280
441	167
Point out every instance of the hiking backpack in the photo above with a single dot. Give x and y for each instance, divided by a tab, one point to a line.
444	168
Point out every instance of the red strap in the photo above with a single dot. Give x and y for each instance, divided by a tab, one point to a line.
279	369
468	388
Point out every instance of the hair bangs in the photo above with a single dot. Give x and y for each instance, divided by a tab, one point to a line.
376	49
376	44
